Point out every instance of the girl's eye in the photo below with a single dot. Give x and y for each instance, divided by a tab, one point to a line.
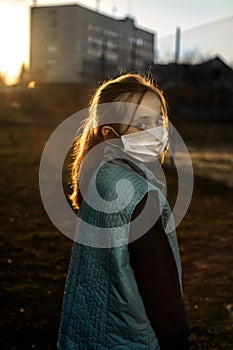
141	126
159	122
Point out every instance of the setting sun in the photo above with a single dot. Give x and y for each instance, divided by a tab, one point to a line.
13	38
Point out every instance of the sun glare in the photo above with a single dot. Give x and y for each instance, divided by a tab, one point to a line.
14	40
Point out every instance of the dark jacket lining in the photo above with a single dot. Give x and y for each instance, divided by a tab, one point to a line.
157	278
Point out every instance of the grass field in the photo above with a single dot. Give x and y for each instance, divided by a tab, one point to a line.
35	256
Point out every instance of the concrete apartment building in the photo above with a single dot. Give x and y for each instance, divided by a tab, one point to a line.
71	43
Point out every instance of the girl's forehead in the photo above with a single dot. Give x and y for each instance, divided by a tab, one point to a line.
150	101
137	106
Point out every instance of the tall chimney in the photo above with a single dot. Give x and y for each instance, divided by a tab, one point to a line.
156	53
177	45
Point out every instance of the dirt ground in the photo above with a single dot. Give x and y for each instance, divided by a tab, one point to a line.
35	255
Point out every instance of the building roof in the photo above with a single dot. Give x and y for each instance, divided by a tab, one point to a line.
127	18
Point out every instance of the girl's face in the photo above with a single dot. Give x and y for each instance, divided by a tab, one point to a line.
147	116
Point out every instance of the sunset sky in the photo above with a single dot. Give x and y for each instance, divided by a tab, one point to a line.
160	16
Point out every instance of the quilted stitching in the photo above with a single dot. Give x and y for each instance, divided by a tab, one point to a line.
102	308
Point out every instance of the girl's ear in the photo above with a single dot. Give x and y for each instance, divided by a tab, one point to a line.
106	131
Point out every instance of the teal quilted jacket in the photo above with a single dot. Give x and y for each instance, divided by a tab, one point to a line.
102	307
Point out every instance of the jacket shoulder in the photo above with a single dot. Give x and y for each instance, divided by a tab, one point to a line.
113	180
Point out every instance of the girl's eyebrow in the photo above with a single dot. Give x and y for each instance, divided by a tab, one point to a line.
142	118
146	117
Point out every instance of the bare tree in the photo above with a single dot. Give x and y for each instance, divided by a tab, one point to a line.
193	56
23	75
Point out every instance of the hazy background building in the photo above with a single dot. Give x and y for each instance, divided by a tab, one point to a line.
71	43
199	43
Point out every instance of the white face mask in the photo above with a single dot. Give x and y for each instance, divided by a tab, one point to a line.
146	145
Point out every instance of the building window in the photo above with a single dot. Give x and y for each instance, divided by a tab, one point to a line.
94	29
111	44
95	41
139	42
93	52
52	19
51	49
110	33
51	62
113	56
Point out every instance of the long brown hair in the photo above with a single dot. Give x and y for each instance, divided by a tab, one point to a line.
121	89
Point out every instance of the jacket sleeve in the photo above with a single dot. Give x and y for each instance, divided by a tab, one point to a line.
156	275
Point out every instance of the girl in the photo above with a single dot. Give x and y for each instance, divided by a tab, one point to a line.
123	289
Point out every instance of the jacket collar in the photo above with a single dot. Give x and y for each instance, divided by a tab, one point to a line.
115	155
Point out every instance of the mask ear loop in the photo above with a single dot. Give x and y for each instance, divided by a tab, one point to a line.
112	142
136	108
114	131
